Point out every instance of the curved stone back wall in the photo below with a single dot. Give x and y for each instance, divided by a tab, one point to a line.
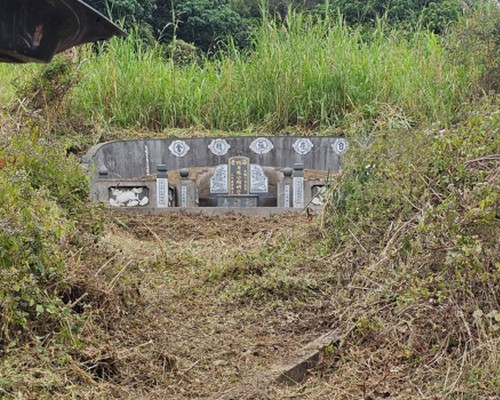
129	159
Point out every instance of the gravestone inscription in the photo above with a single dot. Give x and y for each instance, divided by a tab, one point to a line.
161	186
239	175
240	201
298	185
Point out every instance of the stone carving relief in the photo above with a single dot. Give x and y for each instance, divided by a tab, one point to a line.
218	182
179	148
258	179
303	146
128	196
318	195
219	147
261	146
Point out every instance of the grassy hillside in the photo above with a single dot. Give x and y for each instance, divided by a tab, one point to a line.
404	261
307	73
417	218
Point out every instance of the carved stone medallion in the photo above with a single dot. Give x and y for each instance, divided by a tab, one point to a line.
340	146
261	146
179	148
303	146
219	147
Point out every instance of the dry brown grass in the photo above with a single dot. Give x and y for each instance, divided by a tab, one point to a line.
184	306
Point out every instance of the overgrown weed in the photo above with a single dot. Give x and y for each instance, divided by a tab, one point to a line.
419	213
308	73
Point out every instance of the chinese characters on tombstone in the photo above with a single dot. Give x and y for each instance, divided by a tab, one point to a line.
239	175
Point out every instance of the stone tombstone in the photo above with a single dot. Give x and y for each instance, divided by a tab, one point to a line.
285	189
162	192
226	172
239	175
298	185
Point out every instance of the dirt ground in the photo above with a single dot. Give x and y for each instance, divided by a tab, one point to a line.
206	302
186	306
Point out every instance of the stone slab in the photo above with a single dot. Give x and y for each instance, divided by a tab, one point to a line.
239	175
211	211
295	368
291	370
237	201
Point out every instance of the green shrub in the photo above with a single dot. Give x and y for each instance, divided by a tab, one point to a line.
48	86
475	43
433	195
39	188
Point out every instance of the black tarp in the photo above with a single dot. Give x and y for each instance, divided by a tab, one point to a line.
35	30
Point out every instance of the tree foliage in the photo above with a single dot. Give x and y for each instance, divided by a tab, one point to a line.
128	10
435	15
205	23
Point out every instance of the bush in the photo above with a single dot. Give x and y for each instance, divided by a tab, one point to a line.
475	42
389	179
415	219
39	188
48	85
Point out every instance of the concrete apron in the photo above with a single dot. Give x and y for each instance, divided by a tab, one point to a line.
215	211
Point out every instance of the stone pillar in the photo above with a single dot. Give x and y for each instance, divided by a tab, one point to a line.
285	189
161	186
186	191
100	192
298	185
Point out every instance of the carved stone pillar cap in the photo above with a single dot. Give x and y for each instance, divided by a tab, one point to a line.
103	171
288	172
184	173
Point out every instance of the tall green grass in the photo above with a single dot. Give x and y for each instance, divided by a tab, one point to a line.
7	88
307	73
12	77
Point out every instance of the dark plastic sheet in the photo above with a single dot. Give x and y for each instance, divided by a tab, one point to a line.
36	30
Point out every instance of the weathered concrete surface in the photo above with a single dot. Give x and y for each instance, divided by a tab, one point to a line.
248	211
129	159
295	368
291	370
